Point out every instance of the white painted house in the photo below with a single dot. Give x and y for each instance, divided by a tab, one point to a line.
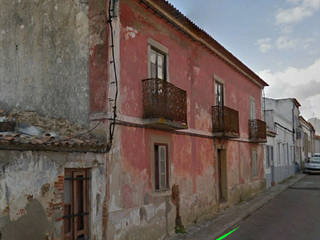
282	118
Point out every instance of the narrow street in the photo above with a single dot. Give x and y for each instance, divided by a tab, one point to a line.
292	215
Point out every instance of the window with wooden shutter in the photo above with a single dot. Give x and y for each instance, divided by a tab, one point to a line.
76	204
161	167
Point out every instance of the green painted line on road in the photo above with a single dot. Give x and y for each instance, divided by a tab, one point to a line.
226	235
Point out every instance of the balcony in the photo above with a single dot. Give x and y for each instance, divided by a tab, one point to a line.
257	131
225	122
164	105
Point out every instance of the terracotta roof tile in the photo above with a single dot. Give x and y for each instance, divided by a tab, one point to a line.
83	143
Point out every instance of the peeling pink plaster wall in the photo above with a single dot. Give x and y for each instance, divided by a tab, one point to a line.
192	68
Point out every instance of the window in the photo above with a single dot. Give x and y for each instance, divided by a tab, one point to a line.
254	163
285	146
269	156
219	92
279	154
157	64
76	210
252	108
161	167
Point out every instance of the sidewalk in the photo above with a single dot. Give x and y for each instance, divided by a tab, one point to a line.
211	230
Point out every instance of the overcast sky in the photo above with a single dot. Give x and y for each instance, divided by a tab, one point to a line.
278	39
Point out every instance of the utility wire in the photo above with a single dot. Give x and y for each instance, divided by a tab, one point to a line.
113	62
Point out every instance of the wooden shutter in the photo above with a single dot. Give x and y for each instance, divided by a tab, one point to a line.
80	204
153	64
161	64
157	64
76	204
252	109
219	94
156	167
68	220
163	167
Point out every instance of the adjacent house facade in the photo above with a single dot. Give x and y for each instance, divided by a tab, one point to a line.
162	125
307	140
282	117
316	144
316	125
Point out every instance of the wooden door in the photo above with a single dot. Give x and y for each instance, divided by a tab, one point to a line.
222	175
80	204
76	205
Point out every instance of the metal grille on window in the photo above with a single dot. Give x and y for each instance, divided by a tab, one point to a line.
76	207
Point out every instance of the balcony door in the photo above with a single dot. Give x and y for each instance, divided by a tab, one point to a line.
252	109
158	64
222	175
219	92
157	84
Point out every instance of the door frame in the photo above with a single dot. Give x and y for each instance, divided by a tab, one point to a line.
222	174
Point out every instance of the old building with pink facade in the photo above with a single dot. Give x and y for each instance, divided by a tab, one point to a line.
189	127
143	123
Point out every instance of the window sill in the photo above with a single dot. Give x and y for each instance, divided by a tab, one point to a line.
161	193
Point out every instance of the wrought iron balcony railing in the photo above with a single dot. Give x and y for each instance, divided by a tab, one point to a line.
225	122
162	100
257	130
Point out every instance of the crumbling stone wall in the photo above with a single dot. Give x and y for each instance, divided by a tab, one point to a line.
44	58
32	193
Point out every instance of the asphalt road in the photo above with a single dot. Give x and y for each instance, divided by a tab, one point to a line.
292	215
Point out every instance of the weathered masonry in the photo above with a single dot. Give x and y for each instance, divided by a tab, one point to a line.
50	195
52	186
54	51
53	75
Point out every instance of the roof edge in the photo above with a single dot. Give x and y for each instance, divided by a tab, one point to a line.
183	23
